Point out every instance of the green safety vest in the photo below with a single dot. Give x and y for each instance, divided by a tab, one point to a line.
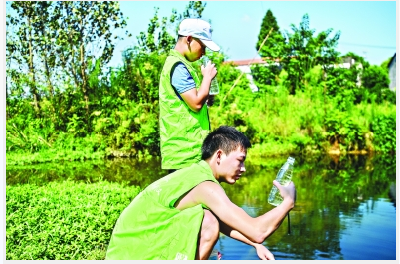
182	130
151	228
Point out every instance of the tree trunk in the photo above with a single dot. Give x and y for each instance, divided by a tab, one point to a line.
32	84
46	68
7	115
85	87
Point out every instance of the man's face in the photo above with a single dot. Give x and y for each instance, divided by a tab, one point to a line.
197	49
231	166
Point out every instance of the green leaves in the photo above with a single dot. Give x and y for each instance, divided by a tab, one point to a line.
384	131
57	41
272	48
303	52
65	106
66	220
376	80
297	52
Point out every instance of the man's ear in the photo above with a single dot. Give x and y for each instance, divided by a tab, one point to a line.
219	155
189	39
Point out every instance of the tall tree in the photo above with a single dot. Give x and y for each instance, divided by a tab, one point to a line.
303	51
63	38
86	36
271	51
21	45
272	48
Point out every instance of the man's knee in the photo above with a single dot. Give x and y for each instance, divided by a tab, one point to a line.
210	226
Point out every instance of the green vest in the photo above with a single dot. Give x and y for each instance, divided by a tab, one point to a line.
182	130
151	228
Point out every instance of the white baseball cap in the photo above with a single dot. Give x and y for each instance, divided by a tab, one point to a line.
200	29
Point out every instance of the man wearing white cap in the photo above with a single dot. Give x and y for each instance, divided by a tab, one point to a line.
183	96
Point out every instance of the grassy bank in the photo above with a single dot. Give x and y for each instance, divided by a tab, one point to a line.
276	123
63	220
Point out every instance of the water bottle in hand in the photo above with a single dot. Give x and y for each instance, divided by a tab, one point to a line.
214	88
284	176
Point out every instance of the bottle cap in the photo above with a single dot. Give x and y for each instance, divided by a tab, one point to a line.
290	160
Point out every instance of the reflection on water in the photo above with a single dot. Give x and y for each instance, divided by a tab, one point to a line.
345	207
365	230
342	210
129	171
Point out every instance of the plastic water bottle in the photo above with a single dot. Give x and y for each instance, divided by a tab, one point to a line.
284	176
214	88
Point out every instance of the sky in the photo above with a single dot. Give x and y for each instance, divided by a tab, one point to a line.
367	28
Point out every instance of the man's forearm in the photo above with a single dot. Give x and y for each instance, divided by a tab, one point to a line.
228	231
271	220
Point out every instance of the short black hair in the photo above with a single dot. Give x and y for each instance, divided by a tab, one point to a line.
226	138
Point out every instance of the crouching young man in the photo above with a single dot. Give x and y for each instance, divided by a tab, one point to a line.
181	215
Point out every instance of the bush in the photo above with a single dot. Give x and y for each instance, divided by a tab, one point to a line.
63	221
384	129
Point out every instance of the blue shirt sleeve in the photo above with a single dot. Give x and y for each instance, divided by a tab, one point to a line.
181	79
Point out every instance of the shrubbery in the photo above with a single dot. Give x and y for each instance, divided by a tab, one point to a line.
66	220
304	105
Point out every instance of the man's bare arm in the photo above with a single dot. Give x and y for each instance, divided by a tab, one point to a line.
262	252
255	229
194	98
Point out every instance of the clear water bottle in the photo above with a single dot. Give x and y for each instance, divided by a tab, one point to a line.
214	88
284	176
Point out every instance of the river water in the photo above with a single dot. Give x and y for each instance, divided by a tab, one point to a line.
345	208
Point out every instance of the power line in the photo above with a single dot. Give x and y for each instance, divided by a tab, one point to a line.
370	46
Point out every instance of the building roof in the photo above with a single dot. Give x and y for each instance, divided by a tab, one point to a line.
251	61
344	60
245	62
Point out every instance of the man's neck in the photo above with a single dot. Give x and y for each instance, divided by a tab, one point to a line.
181	47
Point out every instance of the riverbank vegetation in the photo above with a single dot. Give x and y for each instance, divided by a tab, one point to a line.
64	104
67	212
63	220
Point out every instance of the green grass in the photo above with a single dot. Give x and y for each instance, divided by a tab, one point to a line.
63	220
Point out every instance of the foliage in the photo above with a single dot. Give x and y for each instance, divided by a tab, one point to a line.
306	106
266	75
303	51
385	64
65	147
271	48
127	113
330	189
65	220
83	214
344	129
297	108
58	47
358	59
62	110
376	81
342	85
384	128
